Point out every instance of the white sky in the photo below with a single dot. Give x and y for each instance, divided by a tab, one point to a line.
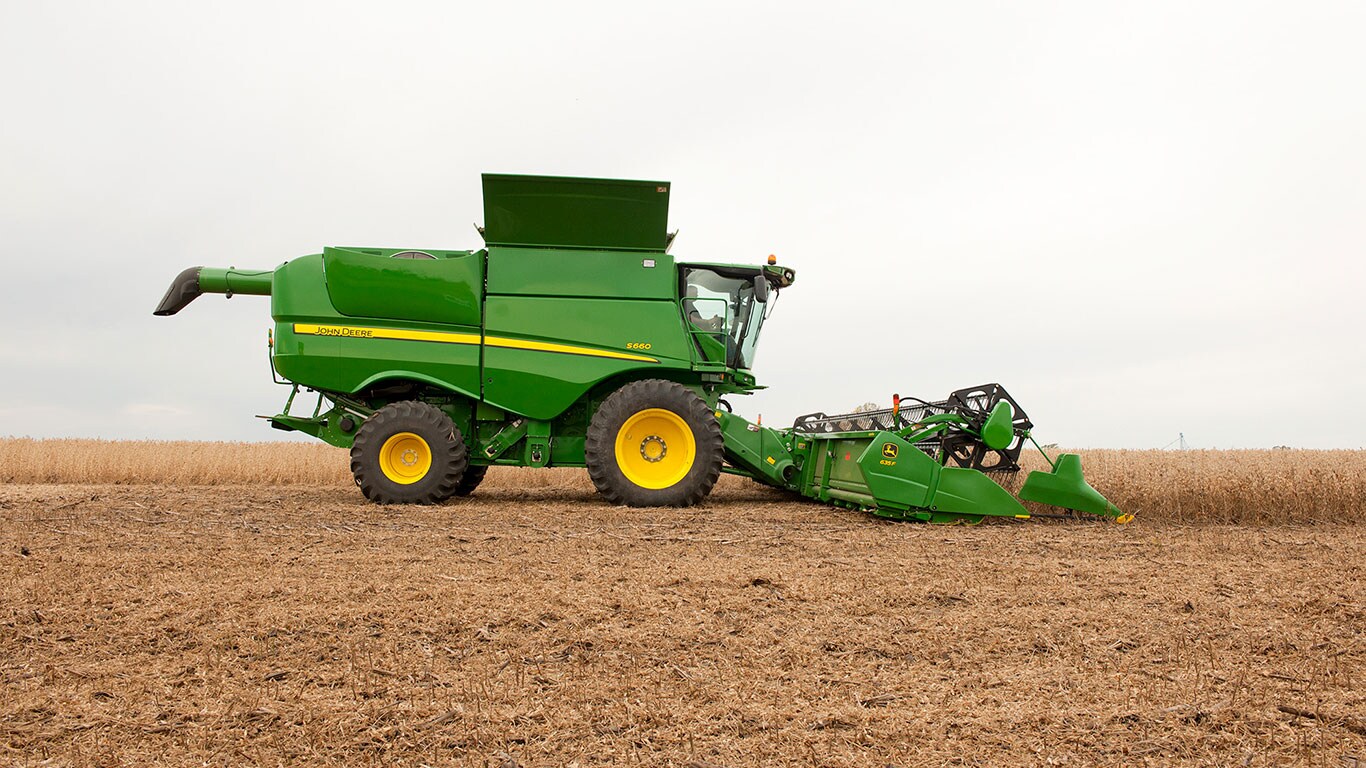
1142	218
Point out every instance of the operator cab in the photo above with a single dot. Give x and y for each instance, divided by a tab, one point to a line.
725	308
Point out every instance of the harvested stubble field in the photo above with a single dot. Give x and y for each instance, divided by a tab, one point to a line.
152	622
1185	486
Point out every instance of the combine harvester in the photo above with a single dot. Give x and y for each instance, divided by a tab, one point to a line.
575	340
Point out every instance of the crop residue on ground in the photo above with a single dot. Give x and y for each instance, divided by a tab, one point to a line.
538	626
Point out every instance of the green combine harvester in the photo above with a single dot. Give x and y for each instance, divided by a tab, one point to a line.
573	339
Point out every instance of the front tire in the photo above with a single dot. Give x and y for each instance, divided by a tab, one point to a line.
654	443
408	453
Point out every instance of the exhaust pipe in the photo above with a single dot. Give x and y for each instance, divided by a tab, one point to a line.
196	281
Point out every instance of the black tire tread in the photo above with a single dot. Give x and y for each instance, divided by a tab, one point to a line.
434	426
600	453
474	475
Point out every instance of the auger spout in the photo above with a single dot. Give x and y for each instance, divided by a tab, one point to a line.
195	281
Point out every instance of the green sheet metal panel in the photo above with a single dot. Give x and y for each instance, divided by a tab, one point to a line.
605	274
519	380
640	331
299	291
345	355
1066	487
967	491
843	457
320	348
543	353
897	473
370	283
560	211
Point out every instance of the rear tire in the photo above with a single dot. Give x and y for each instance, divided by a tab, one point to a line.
408	452
474	475
654	443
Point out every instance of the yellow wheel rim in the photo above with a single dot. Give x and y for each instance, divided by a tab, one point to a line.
405	458
655	448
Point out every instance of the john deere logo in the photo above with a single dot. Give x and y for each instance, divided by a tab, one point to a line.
889	450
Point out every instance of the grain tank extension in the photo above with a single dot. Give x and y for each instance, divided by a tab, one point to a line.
574	339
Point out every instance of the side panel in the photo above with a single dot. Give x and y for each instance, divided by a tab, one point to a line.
968	491
371	284
617	327
843	464
605	274
299	292
897	473
344	356
298	289
319	348
543	353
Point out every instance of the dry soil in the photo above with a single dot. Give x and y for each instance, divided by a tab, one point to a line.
534	626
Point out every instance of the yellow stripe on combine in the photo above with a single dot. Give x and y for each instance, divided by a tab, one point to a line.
543	346
357	332
353	332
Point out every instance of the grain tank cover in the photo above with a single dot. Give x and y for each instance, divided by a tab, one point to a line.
566	212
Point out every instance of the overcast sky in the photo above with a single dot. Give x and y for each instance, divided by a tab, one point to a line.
1142	218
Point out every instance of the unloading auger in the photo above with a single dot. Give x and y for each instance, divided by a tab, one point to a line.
574	339
918	460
